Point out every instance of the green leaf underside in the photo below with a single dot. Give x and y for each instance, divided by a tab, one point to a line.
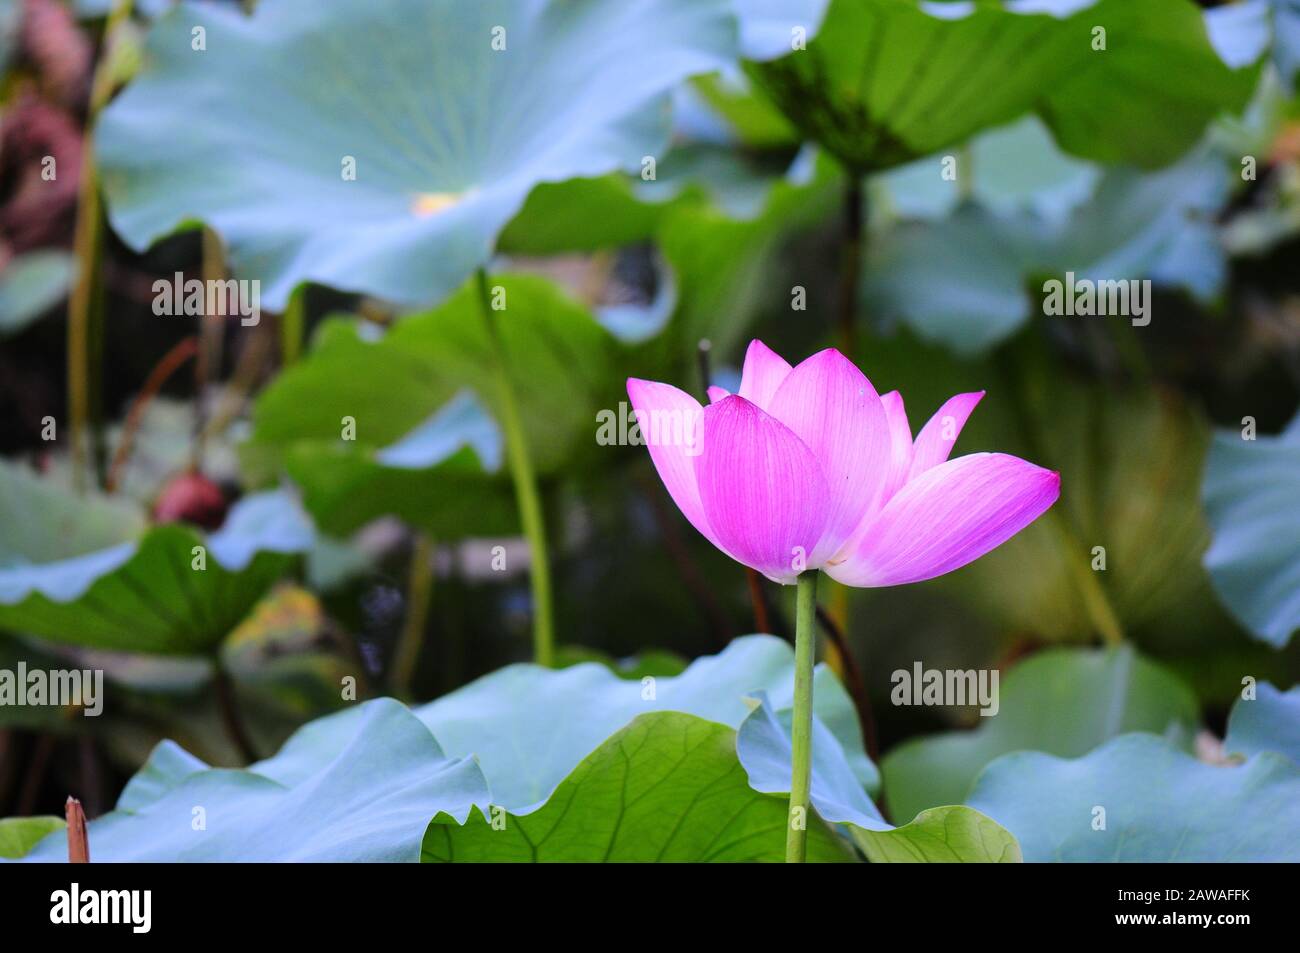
18	835
667	787
1092	695
557	355
890	81
1252	501
447	134
950	834
140	596
1160	804
453	457
954	834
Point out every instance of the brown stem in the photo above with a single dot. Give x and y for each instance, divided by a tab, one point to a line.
208	363
706	372
37	766
853	677
229	710
758	599
181	352
686	567
78	842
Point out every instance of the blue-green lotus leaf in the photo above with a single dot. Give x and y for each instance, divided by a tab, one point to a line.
1139	798
949	834
525	755
367	795
1093	695
86	571
1268	722
383	146
1252	501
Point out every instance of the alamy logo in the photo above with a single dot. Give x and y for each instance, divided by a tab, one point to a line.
61	687
222	297
134	907
1086	297
946	687
681	427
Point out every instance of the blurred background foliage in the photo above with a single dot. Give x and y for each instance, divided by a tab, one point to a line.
370	557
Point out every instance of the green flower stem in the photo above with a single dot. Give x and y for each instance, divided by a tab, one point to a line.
805	648
419	595
292	326
84	339
525	481
228	709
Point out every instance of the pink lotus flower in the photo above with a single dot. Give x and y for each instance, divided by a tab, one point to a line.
809	468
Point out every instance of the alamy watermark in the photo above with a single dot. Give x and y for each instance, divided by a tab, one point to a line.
946	687
680	427
221	297
133	908
36	687
1101	297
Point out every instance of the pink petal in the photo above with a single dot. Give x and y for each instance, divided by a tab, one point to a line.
900	444
763	490
717	393
671	423
934	442
948	516
832	407
762	374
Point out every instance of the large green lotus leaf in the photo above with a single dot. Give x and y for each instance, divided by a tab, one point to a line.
727	268
746	116
526	756
369	797
18	835
32	284
892	80
959	281
1016	167
1286	38
666	787
1160	804
964	280
657	662
1268	722
952	834
1252	501
447	134
581	215
1063	701
44	522
451	456
718	219
138	595
955	834
561	361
